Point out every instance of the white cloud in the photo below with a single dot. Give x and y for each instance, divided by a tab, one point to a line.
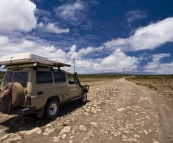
120	62
50	27
117	62
17	15
86	51
135	15
54	29
149	37
41	25
72	53
3	40
116	43
69	11
157	67
158	57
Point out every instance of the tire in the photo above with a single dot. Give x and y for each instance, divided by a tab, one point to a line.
18	95
83	100
52	109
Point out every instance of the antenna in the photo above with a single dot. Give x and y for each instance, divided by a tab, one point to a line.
74	64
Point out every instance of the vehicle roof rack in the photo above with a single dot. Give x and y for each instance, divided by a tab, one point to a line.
27	59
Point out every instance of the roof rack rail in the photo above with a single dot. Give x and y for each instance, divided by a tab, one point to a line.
28	59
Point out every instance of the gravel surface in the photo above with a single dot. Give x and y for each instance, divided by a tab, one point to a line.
116	111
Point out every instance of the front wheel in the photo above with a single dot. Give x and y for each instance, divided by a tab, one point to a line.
52	109
83	100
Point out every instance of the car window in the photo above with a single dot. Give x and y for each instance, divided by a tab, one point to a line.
59	77
20	77
48	77
7	78
71	79
43	77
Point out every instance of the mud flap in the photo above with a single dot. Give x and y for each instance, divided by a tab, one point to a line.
41	112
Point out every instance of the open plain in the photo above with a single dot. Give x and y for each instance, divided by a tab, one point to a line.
117	111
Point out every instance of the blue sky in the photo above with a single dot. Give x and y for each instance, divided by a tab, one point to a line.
131	36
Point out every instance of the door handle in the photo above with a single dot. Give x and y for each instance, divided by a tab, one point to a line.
40	93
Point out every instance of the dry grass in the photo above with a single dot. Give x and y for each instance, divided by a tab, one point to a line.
162	84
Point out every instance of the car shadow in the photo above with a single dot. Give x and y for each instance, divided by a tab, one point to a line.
28	122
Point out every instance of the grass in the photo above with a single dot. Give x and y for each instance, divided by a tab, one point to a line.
162	84
97	77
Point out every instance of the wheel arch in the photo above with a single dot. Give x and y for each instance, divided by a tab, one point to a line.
54	98
85	90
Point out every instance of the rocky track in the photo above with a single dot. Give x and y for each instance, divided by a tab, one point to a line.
117	111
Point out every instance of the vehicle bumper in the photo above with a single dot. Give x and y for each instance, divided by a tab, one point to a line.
24	111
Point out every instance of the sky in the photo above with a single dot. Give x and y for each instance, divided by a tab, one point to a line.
103	36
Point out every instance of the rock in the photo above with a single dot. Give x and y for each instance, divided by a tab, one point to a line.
65	124
73	132
86	109
116	133
10	138
86	114
65	130
48	125
55	139
91	134
82	128
121	109
2	130
48	131
63	136
70	141
94	124
145	132
136	136
35	130
98	110
129	139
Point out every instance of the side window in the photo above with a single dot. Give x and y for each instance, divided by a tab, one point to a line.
43	77
40	77
8	78
48	77
71	79
59	77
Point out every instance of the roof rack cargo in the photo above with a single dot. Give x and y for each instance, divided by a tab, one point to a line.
28	59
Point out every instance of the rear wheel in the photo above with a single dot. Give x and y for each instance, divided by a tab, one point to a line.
83	100
52	109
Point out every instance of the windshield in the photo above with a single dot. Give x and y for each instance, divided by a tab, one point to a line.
20	77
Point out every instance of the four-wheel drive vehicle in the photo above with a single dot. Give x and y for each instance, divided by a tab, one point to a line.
37	85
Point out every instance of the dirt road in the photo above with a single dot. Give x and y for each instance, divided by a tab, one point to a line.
117	111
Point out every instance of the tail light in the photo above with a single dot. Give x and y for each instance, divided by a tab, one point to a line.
28	101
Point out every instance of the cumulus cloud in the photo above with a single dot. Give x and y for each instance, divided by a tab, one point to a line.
149	37
135	15
157	57
157	67
17	15
50	27
117	61
40	25
86	51
54	29
70	11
